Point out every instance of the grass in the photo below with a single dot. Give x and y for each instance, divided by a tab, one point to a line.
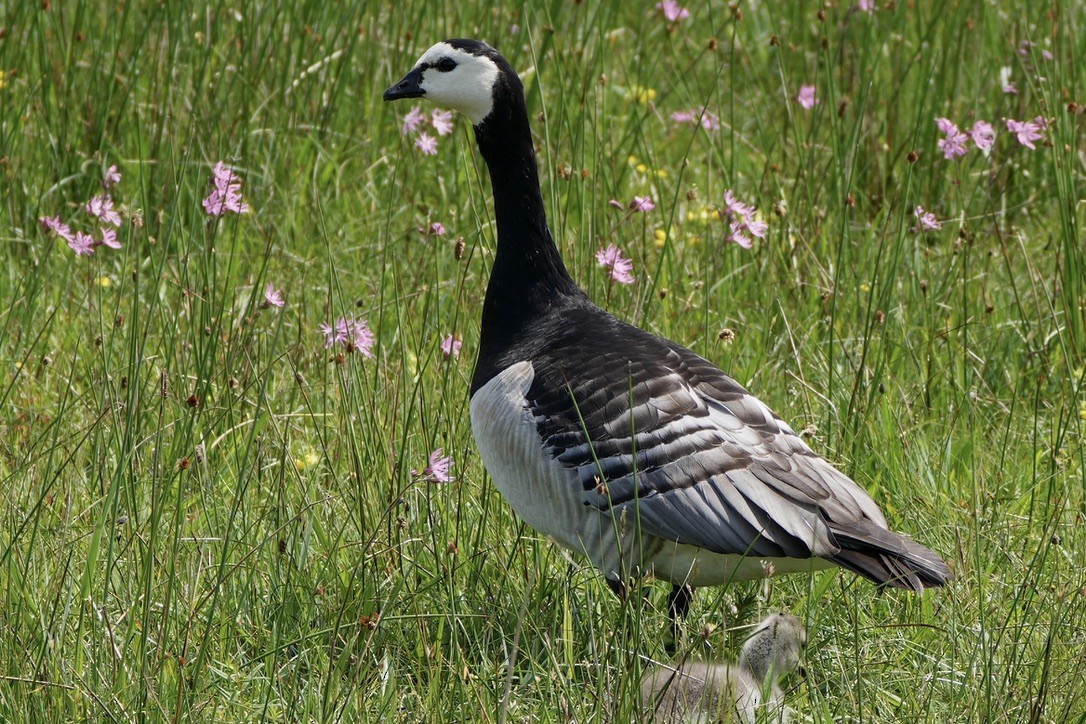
208	516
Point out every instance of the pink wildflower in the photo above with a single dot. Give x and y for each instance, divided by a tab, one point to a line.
616	203
954	143
442	121
1042	123
427	144
1026	131
109	238
926	220
737	233
672	11
709	121
983	135
82	244
642	204
743	221
451	345
867	6
411	122
102	207
734	207
617	266
436	229
112	178
354	334
58	227
362	338
438	469
226	196
331	334
806	97
273	297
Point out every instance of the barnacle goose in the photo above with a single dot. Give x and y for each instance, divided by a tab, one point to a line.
720	692
619	444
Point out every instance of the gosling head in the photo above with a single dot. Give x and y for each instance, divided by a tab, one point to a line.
465	75
775	648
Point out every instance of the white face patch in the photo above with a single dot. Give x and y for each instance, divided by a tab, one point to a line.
468	85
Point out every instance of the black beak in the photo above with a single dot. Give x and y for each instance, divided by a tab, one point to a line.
408	87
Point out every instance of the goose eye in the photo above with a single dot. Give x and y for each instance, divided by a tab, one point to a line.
445	65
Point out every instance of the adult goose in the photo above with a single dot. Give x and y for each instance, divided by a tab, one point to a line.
619	444
707	691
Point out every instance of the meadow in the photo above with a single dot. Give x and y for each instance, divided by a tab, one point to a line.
211	514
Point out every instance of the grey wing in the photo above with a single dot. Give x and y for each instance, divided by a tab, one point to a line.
701	461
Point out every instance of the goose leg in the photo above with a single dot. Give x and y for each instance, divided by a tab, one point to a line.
678	606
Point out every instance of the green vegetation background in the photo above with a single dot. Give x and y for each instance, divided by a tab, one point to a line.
209	516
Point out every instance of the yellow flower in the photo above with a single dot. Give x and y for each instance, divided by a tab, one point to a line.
641	168
643	96
105	282
662	173
865	288
632	160
659	237
307	459
3	79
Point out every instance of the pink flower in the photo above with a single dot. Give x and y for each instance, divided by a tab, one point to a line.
411	122
617	266
672	11
945	125
442	121
1042	122
867	6
983	135
616	203
1024	48
112	178
438	469
954	143
332	335
926	220
734	207
109	238
427	144
362	338
102	207
226	194
82	244
451	345
435	229
354	334
743	221
1026	131
1010	88
708	121
642	204
58	227
806	97
273	297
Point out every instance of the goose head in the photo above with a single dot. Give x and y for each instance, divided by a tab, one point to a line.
463	75
775	648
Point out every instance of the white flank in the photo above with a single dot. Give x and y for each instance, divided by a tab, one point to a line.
548	496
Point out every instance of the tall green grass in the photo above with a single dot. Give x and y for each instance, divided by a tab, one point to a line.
208	515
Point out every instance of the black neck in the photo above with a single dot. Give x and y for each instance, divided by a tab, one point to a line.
528	277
